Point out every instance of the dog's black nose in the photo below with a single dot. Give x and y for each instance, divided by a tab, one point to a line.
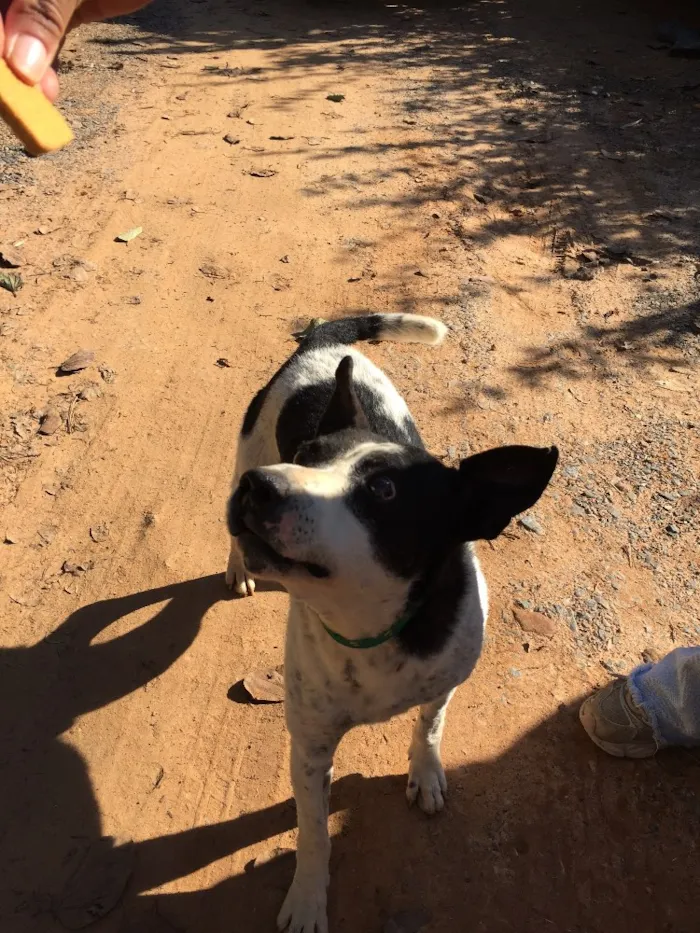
261	489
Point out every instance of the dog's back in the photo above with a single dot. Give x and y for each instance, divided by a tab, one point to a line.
287	412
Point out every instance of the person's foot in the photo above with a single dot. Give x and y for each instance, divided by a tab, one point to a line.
616	724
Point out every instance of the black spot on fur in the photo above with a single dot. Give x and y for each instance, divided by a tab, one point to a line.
438	595
418	533
415	528
349	672
301	416
345	331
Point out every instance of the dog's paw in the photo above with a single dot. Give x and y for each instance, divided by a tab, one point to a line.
304	908
237	578
426	782
242	585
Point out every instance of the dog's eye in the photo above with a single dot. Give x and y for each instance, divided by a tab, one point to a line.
382	488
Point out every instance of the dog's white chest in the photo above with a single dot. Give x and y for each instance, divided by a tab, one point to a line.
337	688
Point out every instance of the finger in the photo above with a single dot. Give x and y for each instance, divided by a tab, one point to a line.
33	32
92	11
49	85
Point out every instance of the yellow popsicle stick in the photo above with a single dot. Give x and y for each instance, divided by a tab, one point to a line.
30	116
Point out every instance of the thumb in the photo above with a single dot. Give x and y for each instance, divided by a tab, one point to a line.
34	29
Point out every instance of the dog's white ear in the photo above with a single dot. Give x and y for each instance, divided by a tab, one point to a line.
344	409
498	484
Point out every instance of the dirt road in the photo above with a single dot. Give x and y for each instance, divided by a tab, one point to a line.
528	173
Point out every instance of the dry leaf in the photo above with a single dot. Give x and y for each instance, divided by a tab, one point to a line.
129	235
12	281
212	271
10	258
50	423
265	686
672	386
81	359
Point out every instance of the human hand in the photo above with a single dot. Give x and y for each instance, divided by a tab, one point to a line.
32	32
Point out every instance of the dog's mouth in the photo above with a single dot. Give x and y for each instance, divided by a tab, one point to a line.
259	554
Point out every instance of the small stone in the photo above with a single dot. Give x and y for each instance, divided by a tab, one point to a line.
46	534
81	359
90	393
589	255
223	363
577	510
99	533
534	622
109	375
50	423
672	530
571	471
651	655
75	569
531	523
80	275
231	139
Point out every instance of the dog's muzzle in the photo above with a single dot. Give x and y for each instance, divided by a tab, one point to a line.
258	502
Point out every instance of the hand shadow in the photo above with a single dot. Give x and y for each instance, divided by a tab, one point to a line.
46	794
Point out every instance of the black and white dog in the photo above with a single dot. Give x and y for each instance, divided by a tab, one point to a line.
336	498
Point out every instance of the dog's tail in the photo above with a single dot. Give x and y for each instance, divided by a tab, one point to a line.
399	328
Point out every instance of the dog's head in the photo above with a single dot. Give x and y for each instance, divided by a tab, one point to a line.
361	515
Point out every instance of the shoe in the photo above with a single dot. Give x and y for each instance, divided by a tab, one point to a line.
616	724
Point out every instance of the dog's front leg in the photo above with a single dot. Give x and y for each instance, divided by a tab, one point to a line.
426	776
304	908
237	578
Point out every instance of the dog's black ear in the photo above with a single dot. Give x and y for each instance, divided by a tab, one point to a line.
498	484
344	409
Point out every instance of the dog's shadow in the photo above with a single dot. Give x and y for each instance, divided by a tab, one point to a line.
552	835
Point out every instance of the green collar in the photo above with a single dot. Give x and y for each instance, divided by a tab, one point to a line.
375	640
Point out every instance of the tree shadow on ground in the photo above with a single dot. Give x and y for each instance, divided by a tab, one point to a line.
491	94
572	126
